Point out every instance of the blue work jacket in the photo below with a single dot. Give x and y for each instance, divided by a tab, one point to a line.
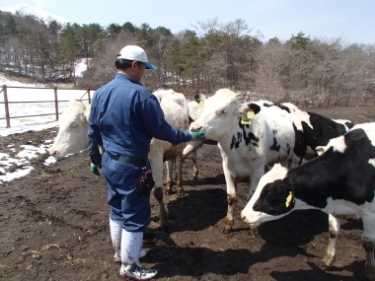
124	117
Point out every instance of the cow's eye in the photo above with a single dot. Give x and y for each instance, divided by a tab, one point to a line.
73	125
221	112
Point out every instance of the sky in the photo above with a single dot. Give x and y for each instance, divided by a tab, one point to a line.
20	125
353	21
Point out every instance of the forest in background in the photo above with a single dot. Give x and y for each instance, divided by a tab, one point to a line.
309	72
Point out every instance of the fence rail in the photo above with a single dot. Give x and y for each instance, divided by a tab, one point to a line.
55	100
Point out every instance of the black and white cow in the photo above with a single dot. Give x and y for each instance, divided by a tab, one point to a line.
311	130
247	144
339	182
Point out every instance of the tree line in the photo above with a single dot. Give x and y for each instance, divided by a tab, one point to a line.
305	71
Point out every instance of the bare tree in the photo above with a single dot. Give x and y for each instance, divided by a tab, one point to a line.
103	67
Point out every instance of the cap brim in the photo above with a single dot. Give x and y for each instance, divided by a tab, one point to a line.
150	66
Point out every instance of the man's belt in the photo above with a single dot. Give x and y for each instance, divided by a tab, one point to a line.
126	159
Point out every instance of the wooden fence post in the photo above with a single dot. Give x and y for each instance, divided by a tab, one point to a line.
7	116
56	105
88	96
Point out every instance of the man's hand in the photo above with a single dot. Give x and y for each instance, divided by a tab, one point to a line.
95	169
198	136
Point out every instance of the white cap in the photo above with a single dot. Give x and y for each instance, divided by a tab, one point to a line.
132	52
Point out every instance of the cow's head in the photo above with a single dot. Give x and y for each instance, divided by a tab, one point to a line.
72	135
218	115
273	198
200	98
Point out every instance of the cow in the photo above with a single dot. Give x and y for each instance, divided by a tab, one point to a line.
172	153
195	110
72	138
339	182
311	130
72	134
288	106
246	146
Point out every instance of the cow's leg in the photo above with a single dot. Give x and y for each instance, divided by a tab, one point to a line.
163	214
169	181
333	230
228	222
254	178
368	243
179	187
157	170
191	149
195	165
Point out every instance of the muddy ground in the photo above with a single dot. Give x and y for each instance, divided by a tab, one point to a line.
54	226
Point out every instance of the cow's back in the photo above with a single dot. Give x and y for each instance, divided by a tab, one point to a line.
176	116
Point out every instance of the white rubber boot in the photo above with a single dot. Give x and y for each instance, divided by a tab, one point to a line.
131	244
115	230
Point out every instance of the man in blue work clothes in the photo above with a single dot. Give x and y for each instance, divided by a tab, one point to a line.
124	117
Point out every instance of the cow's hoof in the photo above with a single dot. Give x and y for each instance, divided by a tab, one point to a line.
226	230
168	192
226	226
180	192
326	262
253	231
322	265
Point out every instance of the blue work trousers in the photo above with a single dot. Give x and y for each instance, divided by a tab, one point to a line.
126	204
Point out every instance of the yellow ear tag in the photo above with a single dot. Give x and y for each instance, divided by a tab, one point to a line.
245	121
289	199
249	116
201	104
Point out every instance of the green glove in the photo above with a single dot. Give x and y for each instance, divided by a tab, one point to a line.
95	170
198	136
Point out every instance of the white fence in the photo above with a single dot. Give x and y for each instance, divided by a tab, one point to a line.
30	105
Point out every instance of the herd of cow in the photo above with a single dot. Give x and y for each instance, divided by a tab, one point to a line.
312	161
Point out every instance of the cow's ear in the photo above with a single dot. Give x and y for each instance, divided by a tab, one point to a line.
247	112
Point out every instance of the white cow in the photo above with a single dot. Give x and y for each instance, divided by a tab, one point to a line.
72	138
246	147
190	150
73	125
170	153
339	182
195	110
